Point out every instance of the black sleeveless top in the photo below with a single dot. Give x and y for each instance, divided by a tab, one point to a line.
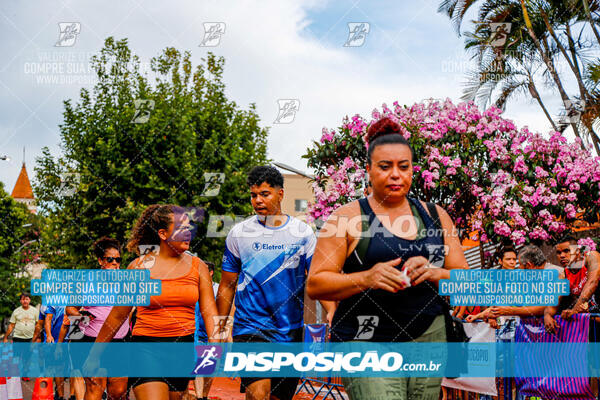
380	316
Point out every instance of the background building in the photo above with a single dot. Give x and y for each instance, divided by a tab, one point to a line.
22	192
298	192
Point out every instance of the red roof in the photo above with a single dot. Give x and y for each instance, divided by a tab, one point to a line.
22	188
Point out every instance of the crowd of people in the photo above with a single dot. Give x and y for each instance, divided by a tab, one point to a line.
377	281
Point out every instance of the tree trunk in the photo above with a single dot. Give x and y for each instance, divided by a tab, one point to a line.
585	95
536	95
586	5
549	64
571	61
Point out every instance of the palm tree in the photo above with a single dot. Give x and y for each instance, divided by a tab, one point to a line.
541	36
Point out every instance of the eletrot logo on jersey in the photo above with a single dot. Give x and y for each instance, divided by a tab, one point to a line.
257	246
207	359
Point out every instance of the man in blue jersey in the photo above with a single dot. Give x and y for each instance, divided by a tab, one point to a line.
265	265
53	321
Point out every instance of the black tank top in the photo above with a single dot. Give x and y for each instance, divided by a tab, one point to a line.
381	316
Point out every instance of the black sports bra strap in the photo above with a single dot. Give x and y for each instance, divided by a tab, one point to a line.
365	207
435	216
366	215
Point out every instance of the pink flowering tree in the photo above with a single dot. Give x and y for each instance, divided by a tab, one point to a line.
494	179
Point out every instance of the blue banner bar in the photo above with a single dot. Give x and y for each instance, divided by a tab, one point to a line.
296	359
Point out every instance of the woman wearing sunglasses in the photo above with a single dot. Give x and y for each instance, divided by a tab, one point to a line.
108	253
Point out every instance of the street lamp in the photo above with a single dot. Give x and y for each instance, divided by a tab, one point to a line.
292	169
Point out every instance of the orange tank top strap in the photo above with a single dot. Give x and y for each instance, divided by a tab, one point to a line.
196	266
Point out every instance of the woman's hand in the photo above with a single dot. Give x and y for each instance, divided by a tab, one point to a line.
385	276
419	270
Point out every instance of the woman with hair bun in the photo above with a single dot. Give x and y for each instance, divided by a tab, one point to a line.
386	279
170	317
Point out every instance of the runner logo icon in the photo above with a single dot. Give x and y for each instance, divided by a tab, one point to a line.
366	326
207	359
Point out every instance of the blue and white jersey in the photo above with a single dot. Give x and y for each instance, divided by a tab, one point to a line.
273	264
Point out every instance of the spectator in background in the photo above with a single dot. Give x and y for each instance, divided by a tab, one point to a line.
368	188
21	326
582	272
108	255
506	258
530	257
22	321
505	317
581	269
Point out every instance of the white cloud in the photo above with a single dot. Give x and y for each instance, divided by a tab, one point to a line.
271	53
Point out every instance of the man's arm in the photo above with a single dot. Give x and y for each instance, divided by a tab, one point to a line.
529	311
459	312
11	326
72	311
48	328
549	321
38	330
226	292
63	333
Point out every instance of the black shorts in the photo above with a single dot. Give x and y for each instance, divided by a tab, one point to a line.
150	358
78	356
282	388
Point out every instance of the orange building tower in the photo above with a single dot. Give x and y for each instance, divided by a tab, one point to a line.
22	192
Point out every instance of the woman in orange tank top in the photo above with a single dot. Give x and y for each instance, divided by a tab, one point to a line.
170	317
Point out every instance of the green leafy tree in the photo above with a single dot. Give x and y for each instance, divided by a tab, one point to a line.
13	220
120	154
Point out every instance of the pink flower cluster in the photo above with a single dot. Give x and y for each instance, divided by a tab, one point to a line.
341	186
492	177
587	243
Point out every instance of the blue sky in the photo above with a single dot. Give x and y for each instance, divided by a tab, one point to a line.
273	49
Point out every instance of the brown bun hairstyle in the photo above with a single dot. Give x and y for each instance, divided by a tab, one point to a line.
385	131
384	126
